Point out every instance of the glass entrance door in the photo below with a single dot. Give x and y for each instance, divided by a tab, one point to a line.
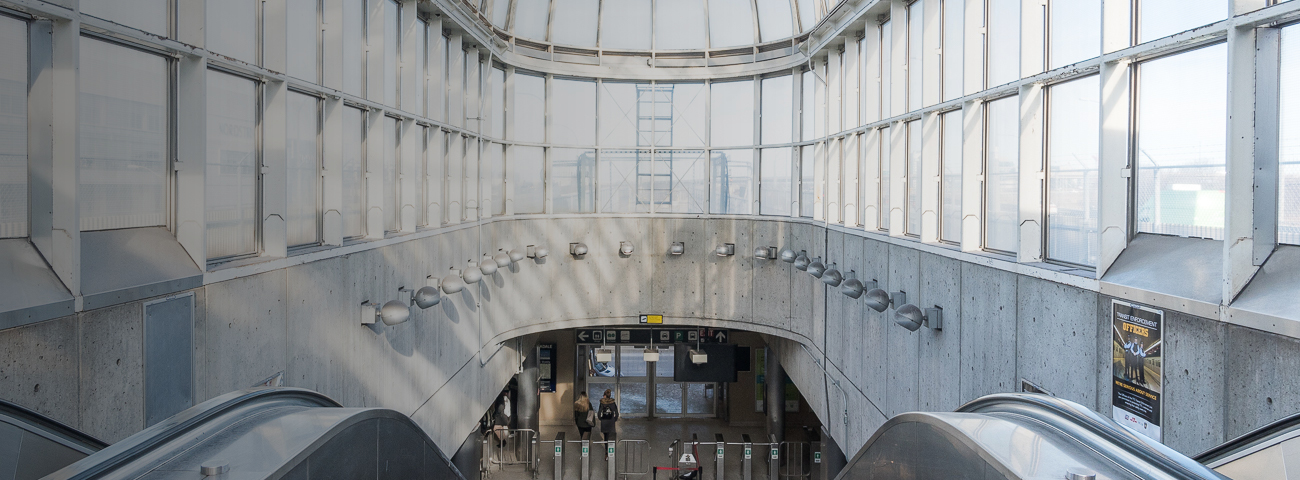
647	389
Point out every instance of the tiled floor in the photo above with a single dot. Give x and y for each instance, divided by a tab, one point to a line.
643	445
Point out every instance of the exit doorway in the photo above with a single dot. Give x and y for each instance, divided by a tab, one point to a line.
647	389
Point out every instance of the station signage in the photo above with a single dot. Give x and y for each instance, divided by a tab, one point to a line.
651	336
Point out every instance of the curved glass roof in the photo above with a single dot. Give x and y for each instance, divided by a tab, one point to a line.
654	24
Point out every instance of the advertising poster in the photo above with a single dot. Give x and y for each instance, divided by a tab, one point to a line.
1136	334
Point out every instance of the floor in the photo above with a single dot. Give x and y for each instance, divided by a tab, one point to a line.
643	444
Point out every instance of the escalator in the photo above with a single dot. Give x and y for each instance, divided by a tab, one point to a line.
1016	436
33	445
1261	454
271	433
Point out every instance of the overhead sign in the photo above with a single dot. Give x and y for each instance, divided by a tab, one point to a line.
652	319
1137	348
650	336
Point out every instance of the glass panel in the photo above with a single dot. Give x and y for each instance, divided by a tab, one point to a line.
885	146
777	114
390	134
953	43
632	398
391	50
852	189
667	362
231	181
470	180
437	84
530	109
686	118
500	13
733	178
122	121
575	22
531	18
775	181
807	17
806	181
497	95
950	188
731	23
1161	18
1182	122
679	25
701	398
621	108
626	177
775	21
493	170
1002	181
301	32
915	30
527	167
632	362
686	189
886	69
13	128
354	47
1073	136
147	15
733	124
303	159
353	169
809	106
668	398
624	25
1289	150
1076	31
232	27
913	179
1003	42
573	112
573	175
418	89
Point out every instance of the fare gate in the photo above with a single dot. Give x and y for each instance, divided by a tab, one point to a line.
519	447
631	459
592	460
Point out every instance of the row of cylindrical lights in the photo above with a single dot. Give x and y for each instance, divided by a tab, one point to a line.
907	315
394	312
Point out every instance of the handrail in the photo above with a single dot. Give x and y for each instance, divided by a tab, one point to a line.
1249	439
144	442
72	437
1068	416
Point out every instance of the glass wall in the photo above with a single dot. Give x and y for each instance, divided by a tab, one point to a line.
1002	175
573	180
302	150
775	181
13	128
912	179
1288	191
123	125
950	179
526	171
354	187
733	177
1073	136
232	176
733	125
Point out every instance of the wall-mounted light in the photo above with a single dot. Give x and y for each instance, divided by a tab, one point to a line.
832	276
534	251
625	248
604	355
817	268
391	313
651	354
577	249
423	297
765	253
472	274
698	356
788	255
517	254
677	248
879	300
912	317
487	265
852	287
502	258
801	261
452	283
725	250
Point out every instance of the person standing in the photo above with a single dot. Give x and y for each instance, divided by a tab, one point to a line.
608	416
583	415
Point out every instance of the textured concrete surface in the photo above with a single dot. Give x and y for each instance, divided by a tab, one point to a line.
112	372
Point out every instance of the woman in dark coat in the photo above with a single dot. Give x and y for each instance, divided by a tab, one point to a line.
608	416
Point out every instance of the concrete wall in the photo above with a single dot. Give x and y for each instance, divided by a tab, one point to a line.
1000	327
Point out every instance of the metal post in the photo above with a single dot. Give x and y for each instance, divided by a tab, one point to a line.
774	458
746	460
609	459
586	460
485	461
818	467
559	456
720	470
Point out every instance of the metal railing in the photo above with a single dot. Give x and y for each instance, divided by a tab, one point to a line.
519	447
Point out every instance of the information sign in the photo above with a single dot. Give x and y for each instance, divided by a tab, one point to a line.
1137	361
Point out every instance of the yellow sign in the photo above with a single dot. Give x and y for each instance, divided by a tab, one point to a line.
652	319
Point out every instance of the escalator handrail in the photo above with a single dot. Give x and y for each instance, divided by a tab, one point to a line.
140	444
72	437
1248	439
1052	410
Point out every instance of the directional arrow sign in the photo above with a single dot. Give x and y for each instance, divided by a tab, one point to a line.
720	336
582	336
